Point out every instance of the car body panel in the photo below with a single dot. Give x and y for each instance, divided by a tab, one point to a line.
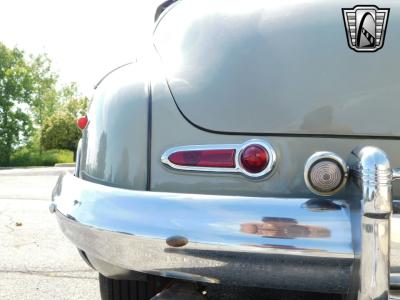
170	129
115	141
115	144
279	67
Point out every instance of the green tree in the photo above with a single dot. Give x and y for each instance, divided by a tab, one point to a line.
27	96
45	98
59	130
73	102
16	84
32	106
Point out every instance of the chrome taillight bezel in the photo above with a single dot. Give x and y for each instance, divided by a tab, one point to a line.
239	148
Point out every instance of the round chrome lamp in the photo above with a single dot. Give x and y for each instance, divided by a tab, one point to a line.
325	173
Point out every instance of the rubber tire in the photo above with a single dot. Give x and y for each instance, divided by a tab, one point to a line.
111	289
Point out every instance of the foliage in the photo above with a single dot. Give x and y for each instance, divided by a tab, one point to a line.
60	132
15	95
72	102
34	114
45	100
32	157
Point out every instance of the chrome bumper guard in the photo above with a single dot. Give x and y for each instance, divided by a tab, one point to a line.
374	175
293	243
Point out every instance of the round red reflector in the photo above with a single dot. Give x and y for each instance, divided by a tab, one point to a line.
82	122
254	159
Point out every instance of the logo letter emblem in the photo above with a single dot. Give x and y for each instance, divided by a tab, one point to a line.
365	27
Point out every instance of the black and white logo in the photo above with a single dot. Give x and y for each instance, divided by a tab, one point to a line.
365	27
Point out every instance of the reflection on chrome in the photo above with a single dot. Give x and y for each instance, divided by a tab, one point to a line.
320	205
285	228
310	236
374	175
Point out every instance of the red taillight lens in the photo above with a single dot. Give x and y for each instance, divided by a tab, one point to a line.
254	159
82	122
224	158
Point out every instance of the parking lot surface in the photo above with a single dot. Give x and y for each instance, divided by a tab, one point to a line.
36	260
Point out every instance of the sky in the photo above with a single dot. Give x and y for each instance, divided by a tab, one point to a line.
84	38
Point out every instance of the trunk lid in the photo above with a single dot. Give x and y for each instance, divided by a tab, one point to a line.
280	67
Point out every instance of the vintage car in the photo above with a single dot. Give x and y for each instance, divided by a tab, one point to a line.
255	145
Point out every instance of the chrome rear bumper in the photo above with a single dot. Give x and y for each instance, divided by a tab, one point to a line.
303	244
300	244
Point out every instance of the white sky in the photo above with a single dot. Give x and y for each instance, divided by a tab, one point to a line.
84	38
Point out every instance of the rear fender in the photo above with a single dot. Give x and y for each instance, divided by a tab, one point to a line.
115	142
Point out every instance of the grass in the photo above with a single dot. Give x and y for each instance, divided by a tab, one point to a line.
28	158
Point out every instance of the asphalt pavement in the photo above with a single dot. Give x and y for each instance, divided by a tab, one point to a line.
36	260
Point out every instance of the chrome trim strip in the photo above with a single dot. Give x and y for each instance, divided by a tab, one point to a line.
373	173
238	151
321	156
265	237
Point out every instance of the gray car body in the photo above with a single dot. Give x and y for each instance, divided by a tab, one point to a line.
134	117
225	73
